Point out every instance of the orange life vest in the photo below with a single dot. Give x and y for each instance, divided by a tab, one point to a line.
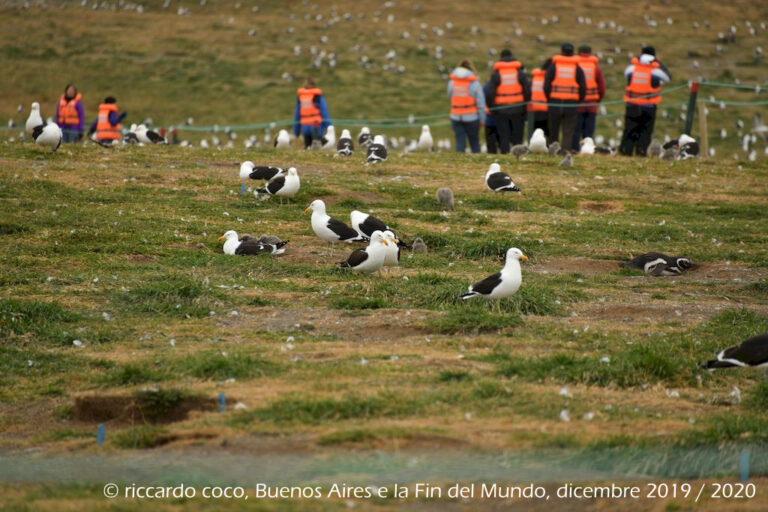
640	90
462	103
309	114
104	129
509	90
564	85
538	98
588	64
67	111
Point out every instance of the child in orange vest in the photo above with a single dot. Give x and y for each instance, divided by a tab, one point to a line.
107	123
311	117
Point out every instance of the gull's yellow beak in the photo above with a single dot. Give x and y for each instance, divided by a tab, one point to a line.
307	209
524	257
222	238
385	242
396	241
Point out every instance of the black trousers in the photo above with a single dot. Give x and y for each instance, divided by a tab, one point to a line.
510	126
492	139
638	129
540	120
565	117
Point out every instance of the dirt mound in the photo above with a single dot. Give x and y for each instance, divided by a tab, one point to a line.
141	407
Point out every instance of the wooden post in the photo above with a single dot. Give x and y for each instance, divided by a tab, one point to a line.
704	140
691	108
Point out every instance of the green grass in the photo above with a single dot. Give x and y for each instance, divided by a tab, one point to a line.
453	376
45	321
132	231
138	438
472	320
213	365
170	295
364	435
314	411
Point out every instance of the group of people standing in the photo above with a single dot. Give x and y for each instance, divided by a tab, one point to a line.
560	97
70	116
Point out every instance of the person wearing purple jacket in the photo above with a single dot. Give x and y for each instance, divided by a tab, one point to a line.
70	115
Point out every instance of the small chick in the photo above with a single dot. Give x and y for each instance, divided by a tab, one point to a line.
269	239
554	149
419	245
654	150
669	153
445	197
567	161
519	150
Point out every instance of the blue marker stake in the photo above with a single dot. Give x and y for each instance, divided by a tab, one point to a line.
222	402
744	465
101	433
242	188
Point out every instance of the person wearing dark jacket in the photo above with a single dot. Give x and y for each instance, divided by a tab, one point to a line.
565	87
491	133
645	76
507	95
593	75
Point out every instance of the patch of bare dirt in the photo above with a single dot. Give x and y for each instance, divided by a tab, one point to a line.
601	206
130	409
623	313
585	266
140	258
381	325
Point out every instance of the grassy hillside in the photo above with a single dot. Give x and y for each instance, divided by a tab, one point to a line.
590	372
204	64
117	248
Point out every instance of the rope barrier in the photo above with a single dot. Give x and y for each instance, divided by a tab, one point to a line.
409	121
755	88
734	103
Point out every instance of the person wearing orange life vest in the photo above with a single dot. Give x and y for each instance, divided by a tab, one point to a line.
538	101
645	76
311	117
593	75
467	106
107	123
70	115
565	87
507	95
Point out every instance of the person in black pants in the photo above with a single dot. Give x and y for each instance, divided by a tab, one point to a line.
491	134
565	87
645	76
508	94
639	121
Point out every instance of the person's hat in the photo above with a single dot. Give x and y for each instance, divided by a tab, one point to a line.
567	49
585	48
649	50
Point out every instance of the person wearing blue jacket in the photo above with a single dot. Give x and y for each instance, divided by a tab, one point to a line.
311	117
467	106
